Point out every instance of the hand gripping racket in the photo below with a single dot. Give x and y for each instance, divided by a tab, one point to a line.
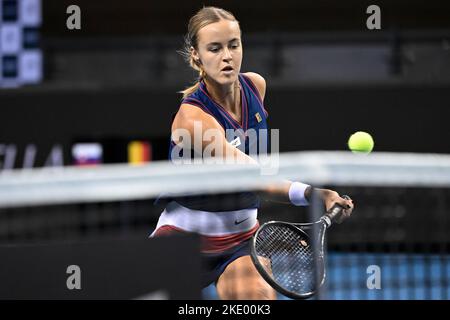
289	259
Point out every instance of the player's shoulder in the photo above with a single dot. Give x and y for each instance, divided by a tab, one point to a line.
189	116
258	81
256	78
188	112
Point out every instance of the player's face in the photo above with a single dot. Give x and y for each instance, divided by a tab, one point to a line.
220	51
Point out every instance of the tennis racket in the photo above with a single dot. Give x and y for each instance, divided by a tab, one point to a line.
289	259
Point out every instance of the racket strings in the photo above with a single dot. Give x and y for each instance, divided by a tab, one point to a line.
287	255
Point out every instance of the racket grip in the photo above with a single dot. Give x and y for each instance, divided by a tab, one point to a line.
336	210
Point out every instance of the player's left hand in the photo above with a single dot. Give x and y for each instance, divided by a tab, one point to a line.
330	198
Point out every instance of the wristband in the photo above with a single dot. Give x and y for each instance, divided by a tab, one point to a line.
297	194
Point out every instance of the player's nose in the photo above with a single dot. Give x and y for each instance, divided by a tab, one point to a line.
227	55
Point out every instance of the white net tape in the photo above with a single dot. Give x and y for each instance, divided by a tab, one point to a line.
46	186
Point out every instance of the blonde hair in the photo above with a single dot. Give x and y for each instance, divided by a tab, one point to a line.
202	18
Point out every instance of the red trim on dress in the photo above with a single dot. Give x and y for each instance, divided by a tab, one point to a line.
212	244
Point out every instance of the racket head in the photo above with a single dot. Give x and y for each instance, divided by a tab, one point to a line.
284	255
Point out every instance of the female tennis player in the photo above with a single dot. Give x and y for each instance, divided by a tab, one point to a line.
226	99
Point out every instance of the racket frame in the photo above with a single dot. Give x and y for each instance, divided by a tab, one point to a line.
322	224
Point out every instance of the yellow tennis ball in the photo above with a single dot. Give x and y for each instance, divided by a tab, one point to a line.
360	142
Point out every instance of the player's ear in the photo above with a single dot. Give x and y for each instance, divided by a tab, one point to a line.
195	56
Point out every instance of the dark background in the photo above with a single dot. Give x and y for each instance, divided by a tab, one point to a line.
170	17
117	78
401	119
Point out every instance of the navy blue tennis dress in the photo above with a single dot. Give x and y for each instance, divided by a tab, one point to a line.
225	222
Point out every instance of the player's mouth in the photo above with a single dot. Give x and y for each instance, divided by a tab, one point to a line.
227	70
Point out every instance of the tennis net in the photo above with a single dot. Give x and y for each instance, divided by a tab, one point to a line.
396	245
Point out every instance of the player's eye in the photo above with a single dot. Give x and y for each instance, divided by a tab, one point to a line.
214	49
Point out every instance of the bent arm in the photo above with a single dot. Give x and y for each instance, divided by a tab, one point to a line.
204	132
198	123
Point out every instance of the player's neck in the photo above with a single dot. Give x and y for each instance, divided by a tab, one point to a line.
227	96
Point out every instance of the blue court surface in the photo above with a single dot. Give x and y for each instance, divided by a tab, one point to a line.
402	277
